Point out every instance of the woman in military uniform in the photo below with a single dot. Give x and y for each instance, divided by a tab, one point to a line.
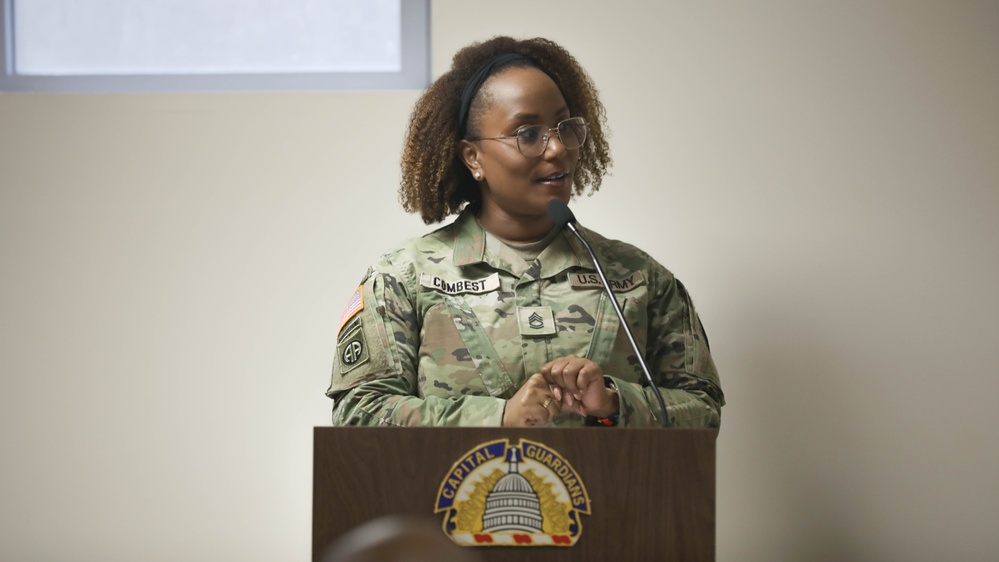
499	317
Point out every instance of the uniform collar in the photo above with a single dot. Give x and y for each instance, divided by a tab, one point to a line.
564	252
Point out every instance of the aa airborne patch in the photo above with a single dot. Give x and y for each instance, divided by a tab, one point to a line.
499	494
352	348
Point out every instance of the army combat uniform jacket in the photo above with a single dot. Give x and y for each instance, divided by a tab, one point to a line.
444	329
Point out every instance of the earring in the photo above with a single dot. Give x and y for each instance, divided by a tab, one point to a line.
478	176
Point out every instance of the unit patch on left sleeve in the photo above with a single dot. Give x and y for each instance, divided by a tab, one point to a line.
352	349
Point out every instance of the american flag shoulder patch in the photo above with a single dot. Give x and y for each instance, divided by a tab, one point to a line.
354	305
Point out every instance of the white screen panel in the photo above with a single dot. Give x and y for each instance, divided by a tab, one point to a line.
170	45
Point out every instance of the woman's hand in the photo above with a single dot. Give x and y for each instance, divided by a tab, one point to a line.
581	385
534	403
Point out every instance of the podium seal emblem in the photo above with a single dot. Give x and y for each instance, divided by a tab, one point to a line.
504	494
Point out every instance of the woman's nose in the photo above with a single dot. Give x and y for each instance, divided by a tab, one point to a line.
554	149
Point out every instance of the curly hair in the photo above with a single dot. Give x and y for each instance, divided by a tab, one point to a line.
435	182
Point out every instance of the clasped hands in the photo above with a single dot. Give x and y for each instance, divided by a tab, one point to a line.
567	384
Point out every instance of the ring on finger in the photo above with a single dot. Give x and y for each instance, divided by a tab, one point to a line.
547	402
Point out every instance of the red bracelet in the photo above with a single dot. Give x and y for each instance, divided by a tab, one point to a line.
610	421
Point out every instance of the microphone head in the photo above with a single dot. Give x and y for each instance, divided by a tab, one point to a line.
560	213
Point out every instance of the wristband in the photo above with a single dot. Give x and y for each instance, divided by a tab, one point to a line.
611	420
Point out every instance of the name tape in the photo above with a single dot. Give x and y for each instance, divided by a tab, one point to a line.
460	286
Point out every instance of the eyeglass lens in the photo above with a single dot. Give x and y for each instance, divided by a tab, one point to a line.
572	133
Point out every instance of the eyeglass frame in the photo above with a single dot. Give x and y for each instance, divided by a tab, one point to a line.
547	137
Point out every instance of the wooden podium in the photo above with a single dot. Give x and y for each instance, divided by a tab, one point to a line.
651	491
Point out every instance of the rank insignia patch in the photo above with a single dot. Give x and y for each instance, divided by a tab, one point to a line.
536	321
501	494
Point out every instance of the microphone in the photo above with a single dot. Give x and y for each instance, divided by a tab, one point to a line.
562	216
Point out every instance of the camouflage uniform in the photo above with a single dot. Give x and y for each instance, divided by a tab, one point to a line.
444	329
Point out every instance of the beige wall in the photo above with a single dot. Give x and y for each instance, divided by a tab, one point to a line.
822	175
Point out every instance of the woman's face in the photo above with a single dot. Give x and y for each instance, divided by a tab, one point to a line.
516	188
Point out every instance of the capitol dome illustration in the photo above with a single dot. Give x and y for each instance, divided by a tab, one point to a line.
512	504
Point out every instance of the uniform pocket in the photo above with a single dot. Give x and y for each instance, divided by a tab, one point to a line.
456	354
622	362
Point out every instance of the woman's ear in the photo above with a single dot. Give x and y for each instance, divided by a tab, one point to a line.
470	156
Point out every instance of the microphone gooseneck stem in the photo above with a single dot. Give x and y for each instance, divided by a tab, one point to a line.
624	324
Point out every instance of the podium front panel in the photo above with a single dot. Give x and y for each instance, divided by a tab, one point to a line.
651	491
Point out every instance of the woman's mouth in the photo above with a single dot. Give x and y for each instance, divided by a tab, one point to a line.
555	178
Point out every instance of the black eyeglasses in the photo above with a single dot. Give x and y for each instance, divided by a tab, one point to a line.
532	141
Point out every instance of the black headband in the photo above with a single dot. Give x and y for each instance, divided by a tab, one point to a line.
475	82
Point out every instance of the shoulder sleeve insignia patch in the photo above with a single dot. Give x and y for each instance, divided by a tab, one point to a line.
352	349
354	305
